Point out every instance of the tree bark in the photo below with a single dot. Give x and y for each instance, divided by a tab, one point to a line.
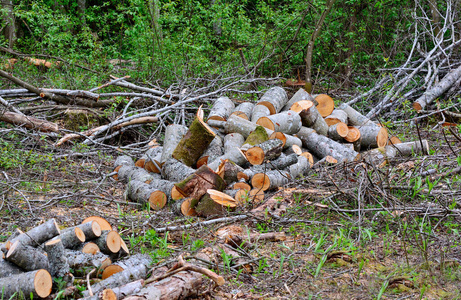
222	109
287	122
7	269
274	99
232	141
57	258
259	111
310	116
197	184
38	283
175	170
38	235
214	150
300	95
71	238
173	135
244	110
338	131
27	257
79	260
144	193
234	155
270	180
336	116
266	151
28	122
10	30
131	262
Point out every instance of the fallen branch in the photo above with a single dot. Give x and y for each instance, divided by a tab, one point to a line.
219	220
29	122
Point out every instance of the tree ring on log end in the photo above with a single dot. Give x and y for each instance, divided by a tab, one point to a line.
43	283
261	181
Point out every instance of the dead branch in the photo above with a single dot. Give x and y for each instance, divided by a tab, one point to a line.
29	122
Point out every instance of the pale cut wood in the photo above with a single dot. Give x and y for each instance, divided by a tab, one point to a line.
57	258
353	134
268	150
310	116
71	238
235	155
221	110
197	184
38	283
91	230
175	194
325	105
27	257
338	131
103	223
208	207
241	185
326	161
336	116
125	264
151	153
214	150
300	95
256	196
222	198
373	136
232	141
309	156
175	170
294	149
38	235
286	122
274	99
270	180
152	162
185	207
394	140
90	248
258	112
279	135
411	148
244	110
173	135
322	146
144	193
108	242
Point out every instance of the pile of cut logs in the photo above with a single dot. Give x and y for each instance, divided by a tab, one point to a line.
31	260
242	151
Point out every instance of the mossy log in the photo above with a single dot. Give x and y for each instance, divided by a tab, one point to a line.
37	283
266	151
71	238
38	235
221	110
131	262
194	142
310	116
185	207
144	193
27	257
79	260
300	95
244	110
7	268
324	104
270	180
228	171
373	137
108	242
257	136
214	150
175	170
338	131
336	116
121	278
322	146
283	161
274	99
208	207
258	112
58	265
234	155
197	184
232	141
173	135
244	127
91	230
301	167
287	122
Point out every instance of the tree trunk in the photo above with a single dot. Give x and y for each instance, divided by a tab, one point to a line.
57	258
338	131
7	269
81	9
175	170
27	257
38	283
10	30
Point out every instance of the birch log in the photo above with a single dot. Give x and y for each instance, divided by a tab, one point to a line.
152	152
287	122
120	161
7	268
270	180
259	111
152	159
283	161
131	262
38	283
300	95
38	235
90	230
109	242
338	131
310	116
221	110
373	136
79	260
244	110
71	238
274	99
268	150
301	167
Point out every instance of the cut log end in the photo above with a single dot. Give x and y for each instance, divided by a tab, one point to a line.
325	105
111	270
222	198
269	105
157	200
175	194
113	241
43	283
241	186
256	196
255	155
261	181
91	248
301	105
79	234
240	114
393	140
266	123
353	134
187	209
382	137
104	225
342	129
309	156
279	135
417	106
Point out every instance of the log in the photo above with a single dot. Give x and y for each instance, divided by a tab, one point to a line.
214	150
241	185
232	141
119	292
268	150
90	248
175	170
247	174
197	184
28	122
91	230
326	161
354	117
278	135
144	193
162	185
438	89
128	263
301	167
325	105
120	161
38	235
58	265
121	278
244	110
300	95
287	122
411	148
373	137
257	136
27	257
379	156
338	131
175	195
322	146
78	260
283	161
256	196
270	180
7	269
310	116
353	134
221	110
173	135
38	283
336	116
152	160
258	112
185	207
310	157
274	99
234	155
215	204
194	142
128	173
101	221
108	242
244	127
228	171
71	238
394	140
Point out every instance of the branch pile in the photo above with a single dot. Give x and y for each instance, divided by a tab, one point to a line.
244	151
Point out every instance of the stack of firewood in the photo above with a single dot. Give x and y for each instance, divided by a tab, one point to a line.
243	151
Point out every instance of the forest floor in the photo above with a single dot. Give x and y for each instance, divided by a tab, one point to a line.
379	233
